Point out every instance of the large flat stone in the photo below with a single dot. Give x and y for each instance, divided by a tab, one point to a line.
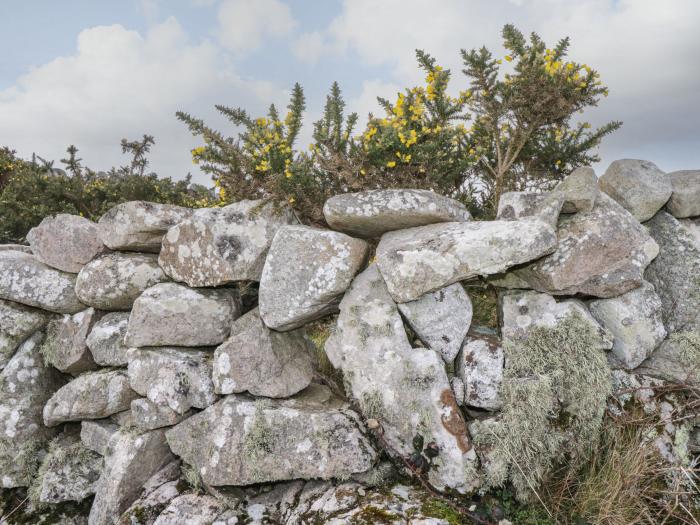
675	360
685	200
106	339
17	323
65	346
147	415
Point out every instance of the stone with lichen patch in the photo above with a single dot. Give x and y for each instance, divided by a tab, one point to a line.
515	205
580	190
147	415
17	323
106	339
676	360
193	509
480	367
685	200
95	434
160	489
65	346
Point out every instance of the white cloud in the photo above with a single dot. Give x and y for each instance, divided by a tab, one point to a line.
309	47
243	24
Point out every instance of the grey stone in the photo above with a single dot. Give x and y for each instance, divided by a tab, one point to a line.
441	319
515	205
638	185
125	419
262	361
16	248
685	200
580	190
65	242
306	272
374	212
17	323
65	346
115	280
480	366
106	339
222	245
173	314
148	415
676	360
192	509
95	434
163	487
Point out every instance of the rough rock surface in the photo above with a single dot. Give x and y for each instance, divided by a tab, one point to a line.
139	225
306	272
148	415
192	509
24	279
515	205
685	200
638	185
676	360
405	389
372	213
173	314
480	366
262	361
95	434
634	319
115	280
93	395
441	319
580	190
16	248
106	339
65	346
17	323
160	489
65	242
416	261
240	441
222	245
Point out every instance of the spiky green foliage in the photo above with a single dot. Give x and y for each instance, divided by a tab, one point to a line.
258	441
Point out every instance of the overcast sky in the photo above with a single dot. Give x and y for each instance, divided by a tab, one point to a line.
89	72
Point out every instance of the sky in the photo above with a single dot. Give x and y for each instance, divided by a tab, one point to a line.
91	72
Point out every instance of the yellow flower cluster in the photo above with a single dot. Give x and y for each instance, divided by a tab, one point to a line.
197	154
577	74
266	142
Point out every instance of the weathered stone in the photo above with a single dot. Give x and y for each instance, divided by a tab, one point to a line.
685	200
480	365
262	361
515	205
222	245
23	279
65	242
634	319
306	272
374	212
148	415
17	323
124	419
106	339
677	360
406	389
115	280
416	261
192	509
65	346
580	190
95	434
441	319
139	225
177	377
163	487
93	395
173	314
638	185
675	273
16	248
240	441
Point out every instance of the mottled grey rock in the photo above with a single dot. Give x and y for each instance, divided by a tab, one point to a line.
374	212
441	319
677	360
222	245
416	261
93	395
580	190
515	205
634	319
240	441
177	377
306	272
163	487
23	279
480	366
685	200
262	361
173	314
65	345
458	389
405	389
115	280
17	323
95	434
65	242
16	248
192	509
638	185
148	415
139	225
124	419
106	339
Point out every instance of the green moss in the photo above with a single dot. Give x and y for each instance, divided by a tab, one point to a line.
435	508
191	476
372	404
260	437
484	305
371	515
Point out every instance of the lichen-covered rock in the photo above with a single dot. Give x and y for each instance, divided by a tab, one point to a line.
675	273
147	415
114	281
163	487
95	434
580	190
480	366
638	185
634	320
306	272
374	212
222	245
93	395
241	441
515	205
685	200
106	339
441	319
262	361
179	378
139	226
192	509
65	346
17	323
419	260
65	242
173	314
677	360
26	280
406	389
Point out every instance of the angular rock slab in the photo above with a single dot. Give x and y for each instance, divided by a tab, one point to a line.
95	434
139	226
193	509
222	245
16	248
374	212
675	273
676	360
93	395
172	314
158	491
106	340
515	205
580	190
17	323
26	280
480	366
634	320
416	261
65	346
406	389
115	280
685	200
241	441
306	272
638	185
262	361
147	415
65	242
441	319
